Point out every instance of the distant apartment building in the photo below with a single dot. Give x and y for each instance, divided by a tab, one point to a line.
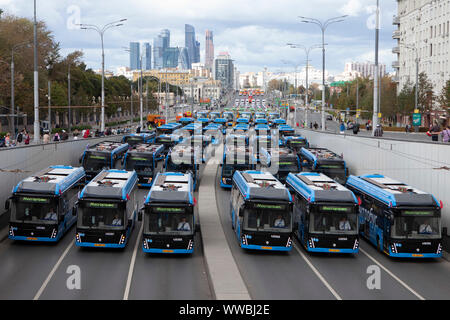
172	76
424	33
364	69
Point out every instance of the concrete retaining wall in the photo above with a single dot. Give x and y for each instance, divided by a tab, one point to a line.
425	166
21	162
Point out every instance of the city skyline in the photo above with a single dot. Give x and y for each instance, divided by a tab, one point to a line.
255	37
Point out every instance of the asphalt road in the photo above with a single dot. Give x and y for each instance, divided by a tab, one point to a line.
30	270
302	275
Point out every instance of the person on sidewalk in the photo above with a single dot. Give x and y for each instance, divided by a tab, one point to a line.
435	130
446	134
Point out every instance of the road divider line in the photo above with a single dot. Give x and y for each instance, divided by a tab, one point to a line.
132	263
49	277
329	287
393	275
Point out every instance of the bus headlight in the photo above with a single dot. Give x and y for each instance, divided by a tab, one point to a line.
145	244
11	231
394	248
439	250
190	245
122	239
54	233
78	237
356	244
289	242
244	240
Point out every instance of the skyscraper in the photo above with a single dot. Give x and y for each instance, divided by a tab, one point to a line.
158	52
183	59
190	43
135	54
209	50
197	52
171	57
147	56
165	35
224	70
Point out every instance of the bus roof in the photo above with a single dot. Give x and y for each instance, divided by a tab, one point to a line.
110	184
318	154
109	147
260	185
153	149
186	154
171	187
317	187
391	192
235	154
169	126
53	180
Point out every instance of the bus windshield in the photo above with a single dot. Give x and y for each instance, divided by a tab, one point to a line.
288	165
331	219
133	140
95	162
230	169
268	218
170	221
142	164
180	167
229	116
101	215
335	171
34	210
416	224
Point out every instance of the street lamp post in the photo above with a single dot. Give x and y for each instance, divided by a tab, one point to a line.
307	52
37	137
101	31
323	27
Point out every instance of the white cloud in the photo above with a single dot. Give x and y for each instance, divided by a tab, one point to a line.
254	32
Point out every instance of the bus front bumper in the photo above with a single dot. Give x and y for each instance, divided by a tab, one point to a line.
265	248
34	239
168	251
100	245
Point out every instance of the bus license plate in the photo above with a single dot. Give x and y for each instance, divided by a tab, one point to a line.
417	255
334	250
266	248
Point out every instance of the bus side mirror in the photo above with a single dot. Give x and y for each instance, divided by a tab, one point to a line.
7	204
75	210
140	215
444	231
295	226
241	211
79	160
197	227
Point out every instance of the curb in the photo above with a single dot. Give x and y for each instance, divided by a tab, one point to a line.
225	278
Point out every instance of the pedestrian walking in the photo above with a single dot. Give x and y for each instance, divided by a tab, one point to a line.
446	134
435	130
356	128
46	137
378	131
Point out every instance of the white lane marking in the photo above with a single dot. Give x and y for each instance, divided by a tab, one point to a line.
49	277
393	275
335	294
132	263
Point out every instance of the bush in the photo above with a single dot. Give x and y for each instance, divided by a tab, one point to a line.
58	130
81	127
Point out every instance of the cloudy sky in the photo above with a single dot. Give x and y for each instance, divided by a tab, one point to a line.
254	32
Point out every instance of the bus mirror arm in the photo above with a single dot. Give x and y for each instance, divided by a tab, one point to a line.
140	214
75	210
7	204
197	227
445	231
